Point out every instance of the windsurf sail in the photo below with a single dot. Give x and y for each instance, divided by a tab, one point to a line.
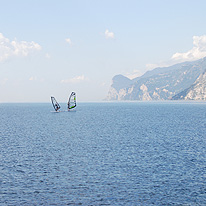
72	101
55	104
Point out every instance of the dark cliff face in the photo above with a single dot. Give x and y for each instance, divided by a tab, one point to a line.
158	84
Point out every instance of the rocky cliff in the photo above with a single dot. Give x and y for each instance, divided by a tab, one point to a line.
196	91
161	83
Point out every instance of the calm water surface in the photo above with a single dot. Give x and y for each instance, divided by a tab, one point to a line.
103	154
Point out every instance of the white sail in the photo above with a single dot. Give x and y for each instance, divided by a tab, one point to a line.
72	101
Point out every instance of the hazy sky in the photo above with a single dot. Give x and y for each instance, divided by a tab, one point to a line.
56	47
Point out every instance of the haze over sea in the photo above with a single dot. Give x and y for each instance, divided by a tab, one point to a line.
123	153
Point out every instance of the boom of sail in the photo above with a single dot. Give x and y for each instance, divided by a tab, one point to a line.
72	101
55	104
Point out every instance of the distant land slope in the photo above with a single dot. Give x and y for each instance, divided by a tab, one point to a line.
162	83
196	91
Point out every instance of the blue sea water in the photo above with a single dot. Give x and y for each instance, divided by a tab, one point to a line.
131	153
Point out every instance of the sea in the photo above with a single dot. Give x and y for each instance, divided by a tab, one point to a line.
109	153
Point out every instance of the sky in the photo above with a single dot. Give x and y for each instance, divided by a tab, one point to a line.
51	48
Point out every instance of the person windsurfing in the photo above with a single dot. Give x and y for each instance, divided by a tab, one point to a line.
72	101
55	104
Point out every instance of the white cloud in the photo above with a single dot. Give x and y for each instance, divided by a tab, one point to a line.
68	40
16	48
151	66
47	56
32	78
109	35
35	79
76	79
134	74
160	64
197	52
